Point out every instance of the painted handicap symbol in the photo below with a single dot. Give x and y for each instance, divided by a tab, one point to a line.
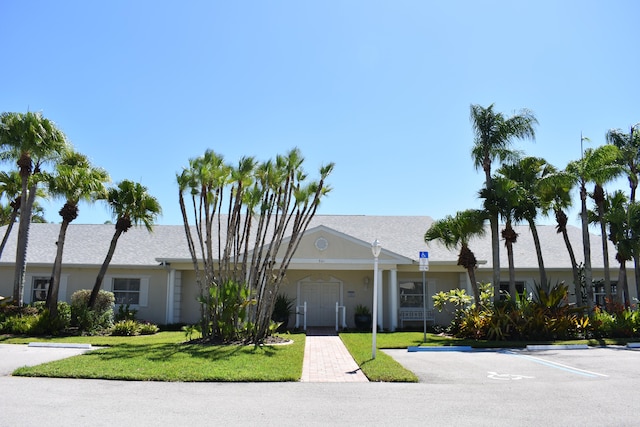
506	377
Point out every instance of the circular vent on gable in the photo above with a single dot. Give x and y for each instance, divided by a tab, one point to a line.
322	243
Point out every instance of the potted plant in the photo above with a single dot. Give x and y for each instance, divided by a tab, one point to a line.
282	309
362	317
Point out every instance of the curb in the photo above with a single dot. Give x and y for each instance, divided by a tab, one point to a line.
445	348
558	347
59	345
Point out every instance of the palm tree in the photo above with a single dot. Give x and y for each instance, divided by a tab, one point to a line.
629	146
10	187
31	140
527	173
457	231
596	165
131	205
505	200
494	134
75	179
623	218
555	196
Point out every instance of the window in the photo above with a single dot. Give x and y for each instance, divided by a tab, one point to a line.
599	292
39	288
126	291
504	289
411	295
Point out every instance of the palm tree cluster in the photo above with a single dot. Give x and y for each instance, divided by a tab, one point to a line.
524	187
243	227
48	166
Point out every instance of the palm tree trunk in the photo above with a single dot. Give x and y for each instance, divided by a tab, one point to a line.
561	219
54	284
623	284
26	204
637	275
586	245
512	269
14	215
536	242
471	271
103	269
605	249
495	249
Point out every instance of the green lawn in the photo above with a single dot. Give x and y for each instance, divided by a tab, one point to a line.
383	367
164	357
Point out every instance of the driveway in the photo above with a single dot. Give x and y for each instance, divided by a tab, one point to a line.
14	356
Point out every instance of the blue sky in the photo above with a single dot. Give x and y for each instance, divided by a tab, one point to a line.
381	88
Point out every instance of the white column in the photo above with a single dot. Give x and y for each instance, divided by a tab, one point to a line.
380	298
393	299
171	275
465	283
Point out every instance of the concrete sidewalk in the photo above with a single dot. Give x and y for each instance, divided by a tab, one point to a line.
326	359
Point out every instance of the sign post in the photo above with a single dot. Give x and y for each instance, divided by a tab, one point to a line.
424	267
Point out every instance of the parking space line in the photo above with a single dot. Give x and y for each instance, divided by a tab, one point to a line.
556	365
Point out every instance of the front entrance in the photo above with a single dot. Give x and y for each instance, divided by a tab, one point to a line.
321	301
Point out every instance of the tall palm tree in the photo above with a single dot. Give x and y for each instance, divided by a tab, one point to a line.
130	204
10	187
505	199
456	231
31	140
555	196
527	173
623	218
596	165
629	146
75	179
494	134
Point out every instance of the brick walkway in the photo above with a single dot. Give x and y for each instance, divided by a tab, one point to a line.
326	359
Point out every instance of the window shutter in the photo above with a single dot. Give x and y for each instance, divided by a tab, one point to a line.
28	289
107	283
144	292
62	290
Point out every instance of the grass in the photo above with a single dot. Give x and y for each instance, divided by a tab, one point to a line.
383	367
164	357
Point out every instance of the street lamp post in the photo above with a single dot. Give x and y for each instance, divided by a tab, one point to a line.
375	248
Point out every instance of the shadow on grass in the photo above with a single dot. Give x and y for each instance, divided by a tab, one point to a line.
165	352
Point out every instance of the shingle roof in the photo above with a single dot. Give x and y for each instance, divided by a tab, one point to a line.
88	244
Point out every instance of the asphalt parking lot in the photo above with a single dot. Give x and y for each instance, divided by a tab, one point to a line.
597	386
486	367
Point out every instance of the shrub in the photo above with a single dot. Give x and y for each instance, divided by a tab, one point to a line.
18	324
189	330
125	328
147	328
125	313
45	325
96	320
130	328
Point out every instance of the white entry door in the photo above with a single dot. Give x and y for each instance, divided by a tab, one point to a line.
321	301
